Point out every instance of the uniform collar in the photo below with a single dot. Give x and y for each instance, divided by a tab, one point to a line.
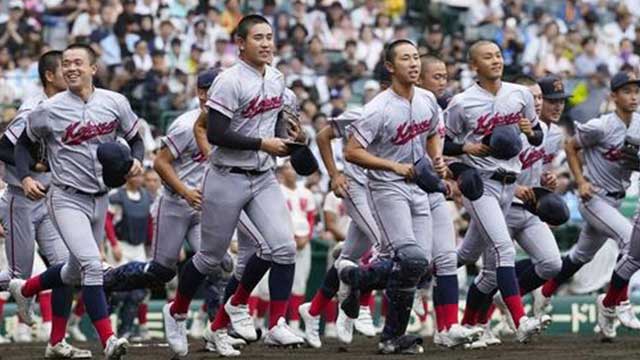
254	70
74	96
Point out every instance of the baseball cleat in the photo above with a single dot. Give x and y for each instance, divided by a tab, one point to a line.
487	336
405	344
175	330
220	342
344	327
606	318
63	350
115	348
626	315
196	331
457	335
330	330
241	321
364	323
74	329
541	303
349	292
528	328
311	326
22	333
24	304
282	335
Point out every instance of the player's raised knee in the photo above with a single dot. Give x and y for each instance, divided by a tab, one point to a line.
549	268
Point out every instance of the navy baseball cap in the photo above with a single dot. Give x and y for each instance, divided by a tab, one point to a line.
302	159
623	78
552	88
116	161
426	178
504	141
206	78
549	206
469	180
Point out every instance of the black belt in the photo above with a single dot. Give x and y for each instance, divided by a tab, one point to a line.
237	170
617	194
504	177
518	205
73	190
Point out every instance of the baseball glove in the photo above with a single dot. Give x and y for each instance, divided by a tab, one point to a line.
629	156
288	125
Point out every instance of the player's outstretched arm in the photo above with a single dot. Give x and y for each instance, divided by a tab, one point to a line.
434	150
162	165
200	133
338	182
219	133
357	154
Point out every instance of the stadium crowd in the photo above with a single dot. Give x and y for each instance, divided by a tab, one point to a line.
330	53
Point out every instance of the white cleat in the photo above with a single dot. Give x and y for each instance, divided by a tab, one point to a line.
44	331
476	345
364	323
24	304
418	304
63	350
330	330
606	318
311	326
457	335
198	325
344	327
175	331
4	340
74	329
115	348
487	336
627	316
541	303
282	335
529	327
22	333
241	321
220	342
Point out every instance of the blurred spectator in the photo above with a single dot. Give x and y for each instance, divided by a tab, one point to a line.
87	20
141	57
12	31
105	41
621	28
231	15
625	56
587	62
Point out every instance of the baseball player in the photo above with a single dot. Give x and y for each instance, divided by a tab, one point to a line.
433	77
244	104
533	235
388	140
602	186
72	124
26	219
483	126
363	232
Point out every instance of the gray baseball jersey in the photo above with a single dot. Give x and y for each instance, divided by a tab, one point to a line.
188	160
601	140
474	113
396	129
340	126
73	129
13	133
537	159
252	102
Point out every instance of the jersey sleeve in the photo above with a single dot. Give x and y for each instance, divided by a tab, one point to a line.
17	126
454	119
223	95
177	140
366	130
38	124
127	119
589	134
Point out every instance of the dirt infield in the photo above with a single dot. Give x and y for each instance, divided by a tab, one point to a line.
551	347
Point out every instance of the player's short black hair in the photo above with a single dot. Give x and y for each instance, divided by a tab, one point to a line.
390	50
476	45
430	59
525	80
247	22
49	61
93	57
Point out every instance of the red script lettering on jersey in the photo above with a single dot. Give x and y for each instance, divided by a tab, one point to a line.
75	134
257	106
407	131
530	157
613	154
487	122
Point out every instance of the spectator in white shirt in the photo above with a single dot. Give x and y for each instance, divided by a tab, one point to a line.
141	56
